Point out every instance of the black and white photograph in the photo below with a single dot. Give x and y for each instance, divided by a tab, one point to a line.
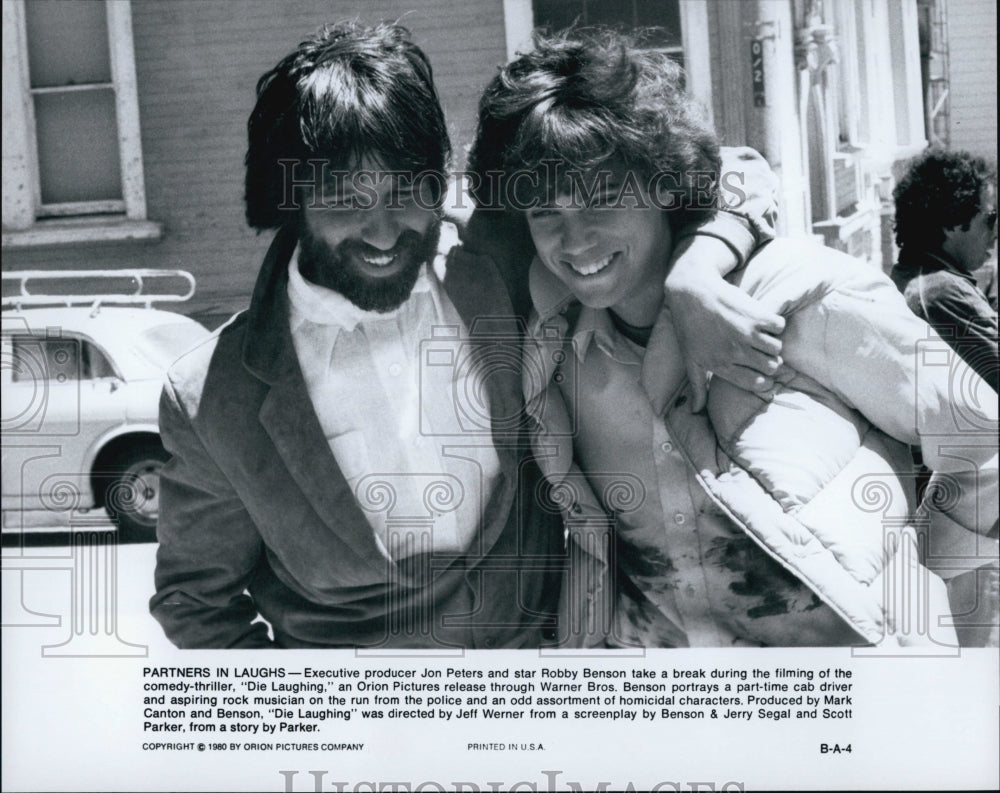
582	394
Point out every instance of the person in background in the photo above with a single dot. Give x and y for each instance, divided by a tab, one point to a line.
946	229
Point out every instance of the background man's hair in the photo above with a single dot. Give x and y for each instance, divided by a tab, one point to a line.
940	190
347	91
584	96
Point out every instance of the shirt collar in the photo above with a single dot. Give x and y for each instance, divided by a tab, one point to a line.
549	295
552	297
594	326
932	261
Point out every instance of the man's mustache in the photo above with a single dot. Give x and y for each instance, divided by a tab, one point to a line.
407	241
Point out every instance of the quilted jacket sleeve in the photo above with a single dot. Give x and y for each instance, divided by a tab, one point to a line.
748	204
854	333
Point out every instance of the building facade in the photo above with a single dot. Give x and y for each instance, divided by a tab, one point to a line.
969	44
123	145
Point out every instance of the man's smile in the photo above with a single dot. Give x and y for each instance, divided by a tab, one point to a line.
380	264
592	266
380	261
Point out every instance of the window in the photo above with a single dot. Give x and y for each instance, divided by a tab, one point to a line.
72	149
57	360
664	15
684	30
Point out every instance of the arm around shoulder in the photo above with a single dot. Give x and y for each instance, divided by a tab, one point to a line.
748	204
719	327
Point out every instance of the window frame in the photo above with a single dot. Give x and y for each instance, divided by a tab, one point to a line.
27	222
86	347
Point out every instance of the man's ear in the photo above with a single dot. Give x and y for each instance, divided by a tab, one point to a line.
952	243
950	234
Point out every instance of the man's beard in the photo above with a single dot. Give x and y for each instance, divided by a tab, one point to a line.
331	267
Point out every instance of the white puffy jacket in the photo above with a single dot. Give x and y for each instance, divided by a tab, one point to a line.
820	477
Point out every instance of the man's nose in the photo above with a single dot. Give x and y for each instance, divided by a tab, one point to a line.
576	233
381	228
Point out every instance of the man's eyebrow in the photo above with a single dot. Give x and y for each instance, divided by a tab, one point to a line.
338	190
601	189
344	184
605	180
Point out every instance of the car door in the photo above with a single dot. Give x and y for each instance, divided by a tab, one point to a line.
61	393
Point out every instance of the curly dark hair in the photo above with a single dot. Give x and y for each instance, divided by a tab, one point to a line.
347	91
940	190
585	96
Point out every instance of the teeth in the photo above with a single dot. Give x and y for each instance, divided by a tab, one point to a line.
379	261
593	267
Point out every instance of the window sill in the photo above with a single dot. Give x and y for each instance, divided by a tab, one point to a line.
77	231
864	214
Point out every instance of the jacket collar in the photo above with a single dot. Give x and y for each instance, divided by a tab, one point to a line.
286	412
268	352
925	262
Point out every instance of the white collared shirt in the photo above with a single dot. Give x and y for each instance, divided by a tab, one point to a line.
391	420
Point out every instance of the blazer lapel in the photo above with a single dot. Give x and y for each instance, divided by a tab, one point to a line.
474	287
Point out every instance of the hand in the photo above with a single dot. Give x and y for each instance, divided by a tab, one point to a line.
720	329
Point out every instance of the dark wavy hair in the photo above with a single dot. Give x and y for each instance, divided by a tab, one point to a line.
940	190
585	96
347	91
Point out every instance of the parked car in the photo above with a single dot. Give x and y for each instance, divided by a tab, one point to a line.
81	383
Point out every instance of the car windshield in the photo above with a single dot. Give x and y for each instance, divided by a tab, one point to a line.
164	344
